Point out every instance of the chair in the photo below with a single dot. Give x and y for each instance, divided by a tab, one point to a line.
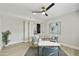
35	39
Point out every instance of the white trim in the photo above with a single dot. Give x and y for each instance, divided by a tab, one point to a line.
11	43
70	46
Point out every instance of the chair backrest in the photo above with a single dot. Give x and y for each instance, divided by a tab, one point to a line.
54	38
35	38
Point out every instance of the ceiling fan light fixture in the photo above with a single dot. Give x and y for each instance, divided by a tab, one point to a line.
34	13
43	13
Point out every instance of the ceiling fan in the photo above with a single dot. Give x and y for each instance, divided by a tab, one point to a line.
43	11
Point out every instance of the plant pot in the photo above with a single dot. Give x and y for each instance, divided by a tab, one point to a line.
4	45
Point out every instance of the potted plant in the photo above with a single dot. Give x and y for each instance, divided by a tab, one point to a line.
5	37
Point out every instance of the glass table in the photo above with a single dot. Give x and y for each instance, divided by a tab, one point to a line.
46	47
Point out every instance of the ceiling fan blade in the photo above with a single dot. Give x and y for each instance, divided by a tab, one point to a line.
36	11
46	14
50	6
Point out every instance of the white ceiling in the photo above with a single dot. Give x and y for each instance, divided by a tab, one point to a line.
25	9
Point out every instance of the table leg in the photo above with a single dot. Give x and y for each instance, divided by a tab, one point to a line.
38	50
58	51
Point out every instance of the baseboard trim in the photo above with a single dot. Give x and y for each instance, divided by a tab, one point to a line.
69	49
70	46
16	42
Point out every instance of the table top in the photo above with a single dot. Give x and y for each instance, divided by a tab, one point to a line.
47	43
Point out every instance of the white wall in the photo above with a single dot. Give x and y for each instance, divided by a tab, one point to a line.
19	32
70	29
15	26
0	34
